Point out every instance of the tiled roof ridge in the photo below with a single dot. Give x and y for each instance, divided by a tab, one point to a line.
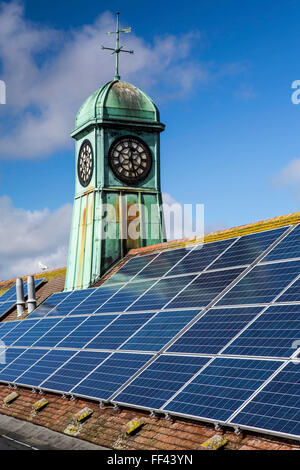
266	224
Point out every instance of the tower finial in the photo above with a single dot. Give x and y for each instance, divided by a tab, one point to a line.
118	48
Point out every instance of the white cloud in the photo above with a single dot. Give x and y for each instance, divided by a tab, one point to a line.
289	176
182	220
26	237
49	74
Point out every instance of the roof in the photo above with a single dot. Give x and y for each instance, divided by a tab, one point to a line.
115	101
107	426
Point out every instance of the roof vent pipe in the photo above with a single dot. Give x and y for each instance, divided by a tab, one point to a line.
31	301
20	297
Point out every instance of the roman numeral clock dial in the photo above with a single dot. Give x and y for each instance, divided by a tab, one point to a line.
85	163
130	159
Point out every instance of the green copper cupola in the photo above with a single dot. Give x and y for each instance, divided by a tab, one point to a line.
117	180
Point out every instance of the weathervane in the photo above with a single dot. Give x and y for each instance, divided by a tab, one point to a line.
118	48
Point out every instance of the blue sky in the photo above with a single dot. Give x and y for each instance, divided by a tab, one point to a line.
220	72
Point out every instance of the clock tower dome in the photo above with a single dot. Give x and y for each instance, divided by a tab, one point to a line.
118	200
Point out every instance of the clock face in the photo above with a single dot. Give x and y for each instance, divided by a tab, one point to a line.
130	159
85	163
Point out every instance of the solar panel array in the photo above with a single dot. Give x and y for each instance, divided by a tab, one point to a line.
210	332
8	299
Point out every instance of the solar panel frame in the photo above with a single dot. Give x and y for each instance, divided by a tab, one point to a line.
145	358
163	367
258	242
259	275
291	235
5	307
264	389
199	337
276	364
65	369
148	258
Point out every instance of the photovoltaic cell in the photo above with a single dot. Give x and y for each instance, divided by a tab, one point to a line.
69	375
94	301
247	249
271	334
289	247
161	293
277	406
214	330
130	269
39	329
160	265
200	257
262	283
159	330
48	364
50	306
119	331
87	331
19	365
205	288
222	387
160	380
59	332
125	297
111	375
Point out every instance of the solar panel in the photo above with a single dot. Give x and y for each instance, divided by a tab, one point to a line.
87	331
95	300
110	342
221	388
5	307
159	330
205	288
72	301
21	363
39	329
162	263
214	330
125	297
111	375
248	248
11	292
277	406
15	333
271	335
119	331
44	367
7	356
130	269
262	283
58	332
6	327
289	247
73	371
291	294
161	293
160	380
50	306
200	257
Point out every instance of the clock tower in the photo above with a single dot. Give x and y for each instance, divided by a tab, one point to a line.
118	200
